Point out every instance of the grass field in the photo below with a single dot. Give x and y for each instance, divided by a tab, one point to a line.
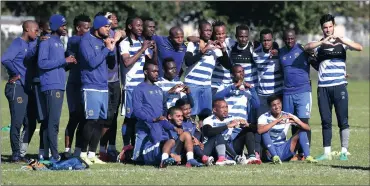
354	171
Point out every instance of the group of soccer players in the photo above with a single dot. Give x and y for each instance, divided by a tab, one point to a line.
234	93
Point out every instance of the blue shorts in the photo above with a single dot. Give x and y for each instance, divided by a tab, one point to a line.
73	92
283	151
202	96
95	104
126	106
146	151
298	104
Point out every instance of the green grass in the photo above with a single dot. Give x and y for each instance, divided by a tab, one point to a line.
354	171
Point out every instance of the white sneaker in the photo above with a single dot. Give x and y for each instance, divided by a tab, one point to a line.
225	162
96	160
210	161
242	160
86	160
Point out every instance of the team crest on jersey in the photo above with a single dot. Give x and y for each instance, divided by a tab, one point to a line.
296	54
150	92
19	100
56	44
57	94
96	47
284	58
91	112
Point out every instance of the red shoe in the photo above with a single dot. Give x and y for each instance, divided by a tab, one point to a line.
121	155
104	156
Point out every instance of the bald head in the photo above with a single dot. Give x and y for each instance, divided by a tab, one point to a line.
289	38
174	30
30	30
176	35
28	24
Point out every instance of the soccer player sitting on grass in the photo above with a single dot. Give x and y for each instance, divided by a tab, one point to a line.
274	125
180	138
241	98
195	131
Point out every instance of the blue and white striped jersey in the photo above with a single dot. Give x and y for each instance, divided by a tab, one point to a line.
332	69
132	76
166	85
200	73
278	133
228	134
270	76
244	57
221	75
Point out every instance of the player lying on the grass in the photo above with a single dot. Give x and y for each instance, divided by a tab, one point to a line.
274	125
180	141
241	98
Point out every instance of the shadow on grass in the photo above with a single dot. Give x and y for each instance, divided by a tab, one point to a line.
8	158
351	167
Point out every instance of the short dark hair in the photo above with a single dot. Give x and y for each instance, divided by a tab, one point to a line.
147	63
272	98
241	27
147	19
214	102
326	18
264	32
181	102
167	60
81	18
217	23
234	66
203	22
172	110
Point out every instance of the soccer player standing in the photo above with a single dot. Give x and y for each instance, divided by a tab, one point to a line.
297	87
15	61
96	54
51	63
133	51
81	25
332	84
200	64
171	46
269	75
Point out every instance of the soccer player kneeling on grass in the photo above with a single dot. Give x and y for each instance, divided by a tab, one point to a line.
274	125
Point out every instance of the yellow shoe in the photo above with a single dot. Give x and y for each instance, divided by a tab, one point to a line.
96	160
310	159
86	160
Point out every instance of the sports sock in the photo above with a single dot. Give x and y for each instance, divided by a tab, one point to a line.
268	143
91	154
221	150
102	149
303	141
344	137
112	148
327	150
67	150
189	155
77	151
164	156
344	150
